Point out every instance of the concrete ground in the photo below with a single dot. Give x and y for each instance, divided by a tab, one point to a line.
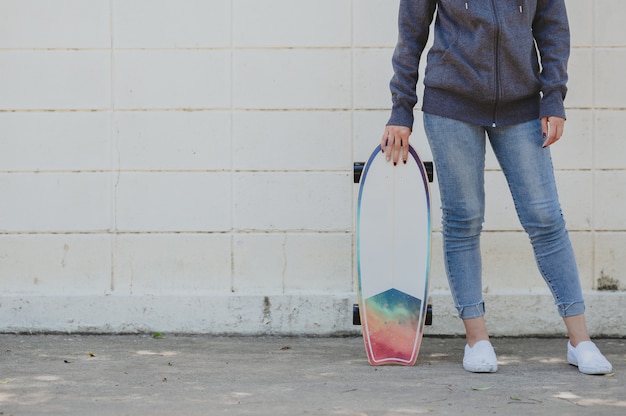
203	375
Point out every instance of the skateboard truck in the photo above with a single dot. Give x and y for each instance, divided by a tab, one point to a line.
429	315
356	316
358	170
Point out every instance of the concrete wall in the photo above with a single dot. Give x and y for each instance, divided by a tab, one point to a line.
186	165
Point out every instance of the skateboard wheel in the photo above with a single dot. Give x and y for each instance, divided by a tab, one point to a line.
358	170
430	169
429	315
356	316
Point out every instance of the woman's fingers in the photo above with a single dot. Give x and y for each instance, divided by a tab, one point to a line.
552	128
395	143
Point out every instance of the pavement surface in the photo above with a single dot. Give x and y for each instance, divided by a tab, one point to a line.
204	375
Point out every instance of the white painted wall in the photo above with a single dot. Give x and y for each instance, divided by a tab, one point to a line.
186	165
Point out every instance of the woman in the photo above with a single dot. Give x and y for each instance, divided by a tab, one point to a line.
484	77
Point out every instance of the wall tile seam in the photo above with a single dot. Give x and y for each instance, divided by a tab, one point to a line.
274	293
54	48
201	48
237	231
594	108
609	169
292	231
191	109
310	47
152	236
293	171
116	110
116	171
224	109
233	231
242	171
597	47
231	127
571	230
608	47
572	170
239	170
112	232
4	233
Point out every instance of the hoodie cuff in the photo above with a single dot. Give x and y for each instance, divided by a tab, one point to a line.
552	105
401	117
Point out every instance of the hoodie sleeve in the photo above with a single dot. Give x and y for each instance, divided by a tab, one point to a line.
551	31
414	20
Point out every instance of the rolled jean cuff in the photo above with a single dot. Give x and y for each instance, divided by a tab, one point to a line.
471	311
571	309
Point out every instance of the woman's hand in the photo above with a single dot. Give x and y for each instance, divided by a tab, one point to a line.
552	128
395	143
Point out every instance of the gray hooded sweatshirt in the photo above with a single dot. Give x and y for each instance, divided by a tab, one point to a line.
493	62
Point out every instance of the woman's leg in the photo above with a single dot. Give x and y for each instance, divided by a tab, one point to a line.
576	329
475	330
459	155
529	173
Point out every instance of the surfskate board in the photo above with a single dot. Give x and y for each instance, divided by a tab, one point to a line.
393	237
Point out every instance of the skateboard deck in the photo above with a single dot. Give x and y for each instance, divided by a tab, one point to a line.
393	253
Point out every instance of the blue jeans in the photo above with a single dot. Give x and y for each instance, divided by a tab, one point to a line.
459	155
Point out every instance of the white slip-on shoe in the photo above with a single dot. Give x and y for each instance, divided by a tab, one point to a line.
588	358
481	358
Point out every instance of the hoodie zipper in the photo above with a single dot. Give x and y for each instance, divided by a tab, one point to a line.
496	65
496	62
